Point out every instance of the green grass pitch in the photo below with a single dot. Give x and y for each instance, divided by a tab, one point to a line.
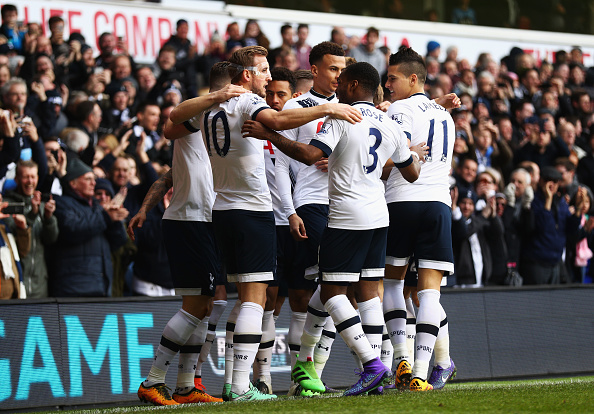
559	395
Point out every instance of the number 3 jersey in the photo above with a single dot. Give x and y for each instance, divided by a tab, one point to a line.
423	120
238	168
356	156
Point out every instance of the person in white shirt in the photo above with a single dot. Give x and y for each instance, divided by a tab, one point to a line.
353	246
306	205
192	253
242	212
420	223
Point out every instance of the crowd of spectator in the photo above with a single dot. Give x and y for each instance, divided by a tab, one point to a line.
81	143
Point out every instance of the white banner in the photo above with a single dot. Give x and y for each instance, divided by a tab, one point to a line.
145	27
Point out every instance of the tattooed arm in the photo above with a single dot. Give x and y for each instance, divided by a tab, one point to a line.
154	195
307	154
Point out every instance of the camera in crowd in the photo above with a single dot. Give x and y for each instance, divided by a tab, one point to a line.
14	208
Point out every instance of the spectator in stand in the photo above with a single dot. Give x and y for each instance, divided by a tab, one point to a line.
541	148
367	52
169	73
523	111
118	117
433	49
465	174
89	115
580	101
152	276
121	69
568	135
467	83
578	253
16	99
577	76
529	85
234	38
568	186
96	85
60	48
15	35
519	195
275	55
253	35
547	230
471	234
56	163
44	227
302	49
185	51
109	47
81	68
14	244
80	261
146	82
120	173
464	14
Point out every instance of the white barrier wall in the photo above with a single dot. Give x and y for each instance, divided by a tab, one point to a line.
146	26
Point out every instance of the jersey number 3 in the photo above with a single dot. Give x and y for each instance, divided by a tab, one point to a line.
372	150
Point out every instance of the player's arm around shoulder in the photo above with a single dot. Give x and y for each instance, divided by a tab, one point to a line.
307	154
293	118
193	107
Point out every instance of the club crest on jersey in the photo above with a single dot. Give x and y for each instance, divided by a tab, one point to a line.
325	129
397	118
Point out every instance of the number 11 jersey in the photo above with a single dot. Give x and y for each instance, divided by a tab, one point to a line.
422	120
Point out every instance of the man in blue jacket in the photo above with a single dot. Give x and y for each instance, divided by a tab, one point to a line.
547	229
80	264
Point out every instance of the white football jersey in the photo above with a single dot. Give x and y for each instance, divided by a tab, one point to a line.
193	193
357	155
270	156
311	184
238	169
423	120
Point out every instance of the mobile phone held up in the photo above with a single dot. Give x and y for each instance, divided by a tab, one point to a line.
14	208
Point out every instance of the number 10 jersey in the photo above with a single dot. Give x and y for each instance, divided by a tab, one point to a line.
238	166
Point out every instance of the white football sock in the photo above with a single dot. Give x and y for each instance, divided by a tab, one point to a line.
348	325
387	348
324	346
395	316
264	354
294	336
427	330
411	329
188	357
442	343
229	329
175	334
312	328
246	340
211	334
372	322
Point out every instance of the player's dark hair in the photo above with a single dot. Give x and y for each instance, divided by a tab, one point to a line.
220	75
410	62
325	48
284	74
365	74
